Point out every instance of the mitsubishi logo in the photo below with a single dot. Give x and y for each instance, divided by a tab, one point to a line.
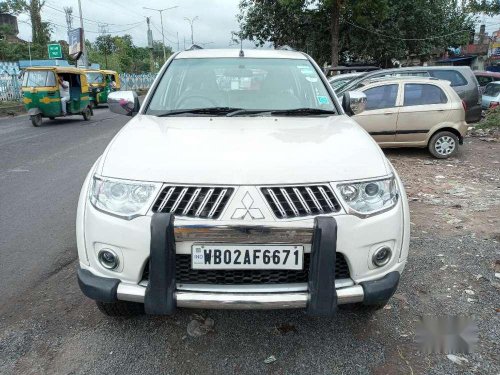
247	210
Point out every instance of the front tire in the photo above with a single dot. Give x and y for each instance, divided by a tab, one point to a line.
87	114
120	308
443	145
36	120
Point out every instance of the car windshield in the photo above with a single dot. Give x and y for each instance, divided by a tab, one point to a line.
94	77
244	84
39	78
492	90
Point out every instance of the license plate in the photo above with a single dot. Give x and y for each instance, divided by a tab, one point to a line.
251	257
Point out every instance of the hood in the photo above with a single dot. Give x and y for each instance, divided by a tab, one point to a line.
243	150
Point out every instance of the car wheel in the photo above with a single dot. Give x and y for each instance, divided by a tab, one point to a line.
443	145
36	120
120	308
87	114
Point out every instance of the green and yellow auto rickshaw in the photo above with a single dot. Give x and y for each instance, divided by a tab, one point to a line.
112	79
42	93
98	90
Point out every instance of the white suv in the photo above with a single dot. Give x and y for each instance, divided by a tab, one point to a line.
241	184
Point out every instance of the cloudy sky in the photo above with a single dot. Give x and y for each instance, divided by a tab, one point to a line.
216	20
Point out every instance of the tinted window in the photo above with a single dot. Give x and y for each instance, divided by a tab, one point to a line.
484	80
456	78
381	97
249	83
421	94
492	90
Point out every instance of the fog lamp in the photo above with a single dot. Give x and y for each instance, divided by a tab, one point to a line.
381	256
108	259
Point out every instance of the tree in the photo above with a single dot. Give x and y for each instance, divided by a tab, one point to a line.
106	46
489	7
351	30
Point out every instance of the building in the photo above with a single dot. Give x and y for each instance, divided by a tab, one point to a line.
9	28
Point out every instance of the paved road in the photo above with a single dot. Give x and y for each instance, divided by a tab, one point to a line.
48	327
41	173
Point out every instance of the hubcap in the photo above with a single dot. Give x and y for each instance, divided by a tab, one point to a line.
445	145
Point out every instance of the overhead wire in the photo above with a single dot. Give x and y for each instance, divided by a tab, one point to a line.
406	39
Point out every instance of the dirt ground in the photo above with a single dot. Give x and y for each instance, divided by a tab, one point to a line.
455	196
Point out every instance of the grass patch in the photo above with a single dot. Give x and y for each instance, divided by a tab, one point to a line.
491	120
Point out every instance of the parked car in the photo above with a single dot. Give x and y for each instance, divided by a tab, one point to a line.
414	112
485	77
258	195
491	96
338	81
462	81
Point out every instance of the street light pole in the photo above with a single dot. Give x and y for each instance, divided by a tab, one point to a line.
162	32
84	52
191	21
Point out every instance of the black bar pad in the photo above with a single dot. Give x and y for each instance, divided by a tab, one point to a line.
378	292
160	292
98	288
322	293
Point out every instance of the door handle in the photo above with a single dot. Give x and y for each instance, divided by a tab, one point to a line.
388	113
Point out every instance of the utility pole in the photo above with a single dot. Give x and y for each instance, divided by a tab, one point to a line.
150	46
178	46
191	21
103	30
162	32
69	18
83	58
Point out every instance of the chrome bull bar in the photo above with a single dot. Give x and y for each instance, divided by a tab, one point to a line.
242	234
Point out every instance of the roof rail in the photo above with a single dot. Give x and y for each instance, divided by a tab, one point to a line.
285	48
194	47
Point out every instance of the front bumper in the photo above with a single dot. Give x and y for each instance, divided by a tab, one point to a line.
110	290
320	296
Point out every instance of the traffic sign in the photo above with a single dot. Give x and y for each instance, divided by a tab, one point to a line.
55	51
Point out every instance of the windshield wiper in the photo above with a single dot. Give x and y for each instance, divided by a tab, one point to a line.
284	112
201	111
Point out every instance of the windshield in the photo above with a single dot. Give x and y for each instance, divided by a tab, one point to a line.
94	77
492	89
39	78
242	83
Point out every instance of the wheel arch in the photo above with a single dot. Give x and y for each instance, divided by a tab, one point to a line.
444	129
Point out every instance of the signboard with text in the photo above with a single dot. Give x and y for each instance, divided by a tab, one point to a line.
55	51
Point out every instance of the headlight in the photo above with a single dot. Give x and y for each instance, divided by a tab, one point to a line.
122	198
370	197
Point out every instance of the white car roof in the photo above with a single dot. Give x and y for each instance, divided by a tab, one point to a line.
252	53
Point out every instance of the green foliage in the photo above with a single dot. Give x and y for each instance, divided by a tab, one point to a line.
375	30
489	7
119	53
492	119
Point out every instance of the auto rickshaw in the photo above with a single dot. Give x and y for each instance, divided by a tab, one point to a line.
112	79
98	90
41	95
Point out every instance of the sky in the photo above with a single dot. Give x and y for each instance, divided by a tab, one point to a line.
212	29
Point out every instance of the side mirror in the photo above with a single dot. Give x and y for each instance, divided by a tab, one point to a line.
354	102
123	102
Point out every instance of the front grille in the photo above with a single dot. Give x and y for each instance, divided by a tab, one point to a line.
193	201
184	274
297	201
